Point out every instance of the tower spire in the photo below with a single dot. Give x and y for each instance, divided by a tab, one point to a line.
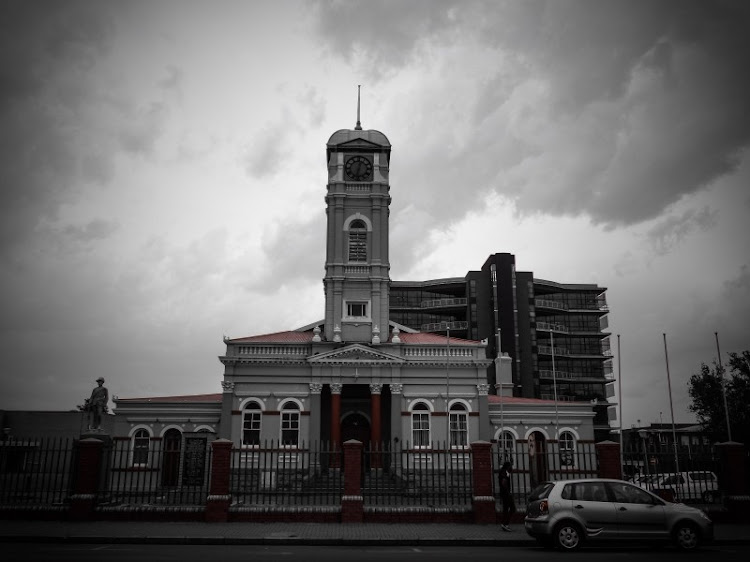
358	127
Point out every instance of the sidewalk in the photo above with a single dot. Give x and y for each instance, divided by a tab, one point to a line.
108	532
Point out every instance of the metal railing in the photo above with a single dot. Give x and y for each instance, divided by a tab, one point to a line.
36	472
443	326
279	475
405	476
655	468
439	303
168	474
551	463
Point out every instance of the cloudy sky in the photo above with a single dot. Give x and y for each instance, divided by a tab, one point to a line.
162	173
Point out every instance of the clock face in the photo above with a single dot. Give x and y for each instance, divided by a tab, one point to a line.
358	168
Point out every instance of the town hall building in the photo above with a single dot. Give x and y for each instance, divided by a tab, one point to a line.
357	374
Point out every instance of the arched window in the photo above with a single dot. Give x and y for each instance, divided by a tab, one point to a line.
358	241
251	417
141	447
506	445
420	425
290	423
567	445
459	421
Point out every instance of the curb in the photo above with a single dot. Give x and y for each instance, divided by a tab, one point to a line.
301	541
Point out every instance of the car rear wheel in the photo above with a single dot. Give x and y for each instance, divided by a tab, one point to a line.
568	536
686	536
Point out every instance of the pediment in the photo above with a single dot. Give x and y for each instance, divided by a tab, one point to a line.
355	353
358	143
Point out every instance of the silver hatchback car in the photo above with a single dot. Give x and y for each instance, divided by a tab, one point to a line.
566	513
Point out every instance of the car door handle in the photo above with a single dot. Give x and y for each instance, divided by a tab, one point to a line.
623	508
579	506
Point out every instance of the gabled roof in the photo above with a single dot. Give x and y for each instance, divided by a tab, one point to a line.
295	336
277	337
190	398
354	352
372	136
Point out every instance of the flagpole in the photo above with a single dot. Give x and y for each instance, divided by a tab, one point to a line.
723	387
619	395
671	407
554	384
447	385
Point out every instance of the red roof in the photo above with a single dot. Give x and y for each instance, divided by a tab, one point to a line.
178	399
278	337
306	337
495	399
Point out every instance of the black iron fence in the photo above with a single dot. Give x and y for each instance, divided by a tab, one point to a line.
176	474
36	472
434	476
163	475
275	474
531	466
687	474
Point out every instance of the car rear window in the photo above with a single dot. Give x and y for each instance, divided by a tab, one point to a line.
541	491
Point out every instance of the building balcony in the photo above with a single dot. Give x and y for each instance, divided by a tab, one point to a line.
444	326
547	350
551	327
545	303
444	303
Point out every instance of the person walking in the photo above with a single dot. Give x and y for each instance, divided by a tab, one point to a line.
509	504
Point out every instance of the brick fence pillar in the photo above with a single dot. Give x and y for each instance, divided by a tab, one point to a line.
352	503
88	467
732	471
608	453
217	503
482	500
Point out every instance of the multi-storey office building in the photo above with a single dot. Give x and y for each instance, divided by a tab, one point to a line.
553	332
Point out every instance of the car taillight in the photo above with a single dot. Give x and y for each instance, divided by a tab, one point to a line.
543	507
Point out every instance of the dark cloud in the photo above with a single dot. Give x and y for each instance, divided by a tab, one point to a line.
141	128
293	252
629	105
46	51
669	232
95	230
383	33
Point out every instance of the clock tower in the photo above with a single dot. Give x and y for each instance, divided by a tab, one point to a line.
357	267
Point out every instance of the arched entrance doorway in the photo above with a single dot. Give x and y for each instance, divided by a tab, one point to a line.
170	466
355	426
537	458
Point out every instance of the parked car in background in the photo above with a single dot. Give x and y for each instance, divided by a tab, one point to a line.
568	513
696	486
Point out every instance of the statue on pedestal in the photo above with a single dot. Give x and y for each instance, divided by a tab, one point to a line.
96	406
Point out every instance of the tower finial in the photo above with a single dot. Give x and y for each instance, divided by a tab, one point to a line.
359	125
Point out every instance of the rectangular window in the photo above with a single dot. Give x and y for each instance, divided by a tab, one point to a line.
290	428
251	428
356	309
420	423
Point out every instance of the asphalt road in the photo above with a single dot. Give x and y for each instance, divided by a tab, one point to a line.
51	552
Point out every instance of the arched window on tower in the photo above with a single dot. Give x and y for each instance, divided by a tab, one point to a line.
357	241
